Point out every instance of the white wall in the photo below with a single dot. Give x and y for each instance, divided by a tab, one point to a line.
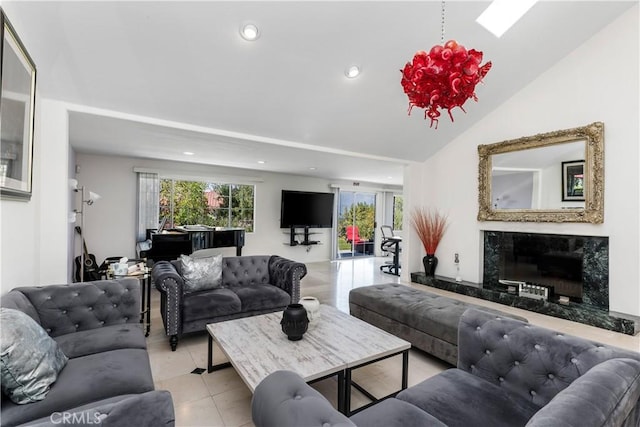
110	223
596	82
514	190
34	234
54	200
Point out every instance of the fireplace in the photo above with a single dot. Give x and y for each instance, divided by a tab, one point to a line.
573	268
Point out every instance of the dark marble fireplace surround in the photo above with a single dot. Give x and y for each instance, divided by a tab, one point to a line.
592	305
551	253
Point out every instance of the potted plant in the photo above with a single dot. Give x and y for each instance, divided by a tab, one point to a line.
430	226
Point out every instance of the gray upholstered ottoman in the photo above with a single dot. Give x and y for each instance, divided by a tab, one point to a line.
427	320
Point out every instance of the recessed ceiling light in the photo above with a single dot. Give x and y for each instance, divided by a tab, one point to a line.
312	168
352	72
249	32
261	162
188	153
502	14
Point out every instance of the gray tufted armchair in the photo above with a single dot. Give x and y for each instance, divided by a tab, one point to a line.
251	285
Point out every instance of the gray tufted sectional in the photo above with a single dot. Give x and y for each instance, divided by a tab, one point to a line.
108	376
509	373
251	285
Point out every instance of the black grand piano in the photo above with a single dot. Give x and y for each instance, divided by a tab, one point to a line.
169	244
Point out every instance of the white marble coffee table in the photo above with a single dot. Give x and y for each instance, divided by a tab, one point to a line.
335	344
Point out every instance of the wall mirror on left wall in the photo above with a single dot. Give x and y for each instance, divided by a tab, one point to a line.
17	104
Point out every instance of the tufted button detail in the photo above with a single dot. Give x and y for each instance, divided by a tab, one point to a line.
551	376
487	351
516	363
48	329
537	346
574	360
102	322
505	336
533	392
64	311
126	319
472	366
326	425
501	379
115	305
297	397
477	328
90	308
76	326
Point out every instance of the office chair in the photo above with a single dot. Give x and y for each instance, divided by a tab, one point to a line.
391	244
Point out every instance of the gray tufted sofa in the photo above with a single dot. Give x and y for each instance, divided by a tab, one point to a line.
251	285
108	376
509	374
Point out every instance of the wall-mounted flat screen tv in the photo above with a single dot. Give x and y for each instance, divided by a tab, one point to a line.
306	209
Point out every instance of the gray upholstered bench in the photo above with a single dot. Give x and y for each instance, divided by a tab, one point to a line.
427	320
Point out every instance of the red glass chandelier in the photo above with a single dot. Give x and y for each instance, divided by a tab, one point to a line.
444	78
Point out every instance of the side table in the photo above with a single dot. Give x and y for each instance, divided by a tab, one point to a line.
145	286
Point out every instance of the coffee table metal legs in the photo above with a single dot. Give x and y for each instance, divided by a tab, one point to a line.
341	388
345	381
341	376
348	383
342	399
210	366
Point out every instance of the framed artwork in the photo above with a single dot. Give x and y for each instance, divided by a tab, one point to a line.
573	181
17	103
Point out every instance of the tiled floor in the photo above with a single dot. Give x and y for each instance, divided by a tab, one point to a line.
221	398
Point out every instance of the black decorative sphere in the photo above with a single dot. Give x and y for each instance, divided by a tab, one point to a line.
294	321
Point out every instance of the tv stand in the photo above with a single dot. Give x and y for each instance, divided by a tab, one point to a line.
305	242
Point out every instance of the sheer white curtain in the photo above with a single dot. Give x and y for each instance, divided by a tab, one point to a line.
148	203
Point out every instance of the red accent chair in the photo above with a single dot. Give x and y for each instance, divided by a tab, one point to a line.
353	234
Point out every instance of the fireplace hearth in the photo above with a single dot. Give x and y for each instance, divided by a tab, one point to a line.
575	268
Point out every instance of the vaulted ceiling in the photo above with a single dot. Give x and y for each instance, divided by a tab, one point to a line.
155	79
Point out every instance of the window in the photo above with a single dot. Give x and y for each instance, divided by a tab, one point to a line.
397	212
207	203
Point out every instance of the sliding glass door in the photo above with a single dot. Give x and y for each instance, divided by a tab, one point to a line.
356	224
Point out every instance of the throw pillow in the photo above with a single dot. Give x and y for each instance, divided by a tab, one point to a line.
30	359
200	274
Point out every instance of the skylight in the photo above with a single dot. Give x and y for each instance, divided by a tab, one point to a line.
502	14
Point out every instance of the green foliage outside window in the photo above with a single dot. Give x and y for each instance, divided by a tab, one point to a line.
364	214
218	205
397	212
